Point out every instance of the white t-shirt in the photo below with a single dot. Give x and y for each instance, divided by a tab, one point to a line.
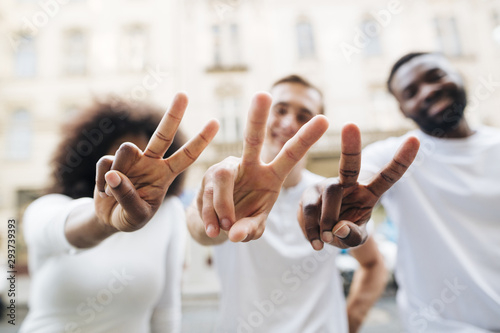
447	207
130	282
278	283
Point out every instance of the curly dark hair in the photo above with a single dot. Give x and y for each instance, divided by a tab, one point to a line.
90	135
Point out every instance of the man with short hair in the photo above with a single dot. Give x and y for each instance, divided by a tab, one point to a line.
276	282
447	206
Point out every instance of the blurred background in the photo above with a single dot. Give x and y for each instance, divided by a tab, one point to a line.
57	56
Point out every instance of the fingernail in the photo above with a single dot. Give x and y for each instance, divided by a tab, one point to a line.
210	230
107	190
113	179
102	195
317	244
327	236
226	224
343	231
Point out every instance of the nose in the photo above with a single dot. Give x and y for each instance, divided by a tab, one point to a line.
289	124
430	93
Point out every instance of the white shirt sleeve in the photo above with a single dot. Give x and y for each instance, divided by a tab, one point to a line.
43	227
167	315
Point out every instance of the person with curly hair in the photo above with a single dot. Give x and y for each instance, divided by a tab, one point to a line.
105	247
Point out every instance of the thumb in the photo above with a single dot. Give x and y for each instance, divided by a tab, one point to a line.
247	229
350	233
137	211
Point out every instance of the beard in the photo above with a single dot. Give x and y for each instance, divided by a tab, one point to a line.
446	120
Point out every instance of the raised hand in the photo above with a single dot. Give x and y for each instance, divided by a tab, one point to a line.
131	186
336	211
237	194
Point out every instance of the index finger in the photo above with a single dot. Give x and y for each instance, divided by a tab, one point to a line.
165	132
393	171
350	157
256	128
295	148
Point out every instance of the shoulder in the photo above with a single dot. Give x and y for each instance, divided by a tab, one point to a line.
489	135
381	152
48	204
390	143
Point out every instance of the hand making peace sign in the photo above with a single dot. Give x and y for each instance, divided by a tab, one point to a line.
237	194
336	210
131	185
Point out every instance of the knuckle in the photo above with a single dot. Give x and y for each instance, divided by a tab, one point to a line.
310	210
387	177
348	173
222	173
311	229
126	194
189	154
126	148
104	161
253	140
332	189
208	191
291	155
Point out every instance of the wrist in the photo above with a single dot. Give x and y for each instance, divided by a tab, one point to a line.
103	229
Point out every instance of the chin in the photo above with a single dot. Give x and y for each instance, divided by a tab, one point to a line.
447	120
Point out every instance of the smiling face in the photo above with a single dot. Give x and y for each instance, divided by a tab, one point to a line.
431	92
293	105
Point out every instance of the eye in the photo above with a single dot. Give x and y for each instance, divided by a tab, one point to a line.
304	118
281	110
409	92
435	75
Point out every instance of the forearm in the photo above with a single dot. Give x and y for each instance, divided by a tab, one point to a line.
83	228
367	285
196	228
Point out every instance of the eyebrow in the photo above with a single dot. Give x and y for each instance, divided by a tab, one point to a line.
302	109
426	72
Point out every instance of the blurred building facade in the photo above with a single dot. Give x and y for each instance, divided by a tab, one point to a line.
56	56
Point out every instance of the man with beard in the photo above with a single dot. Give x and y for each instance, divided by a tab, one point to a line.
447	205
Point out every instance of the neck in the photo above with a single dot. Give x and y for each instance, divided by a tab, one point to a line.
295	176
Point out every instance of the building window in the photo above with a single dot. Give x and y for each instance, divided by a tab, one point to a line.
25	56
234	44
371	29
133	51
19	135
75	53
448	39
226	45
496	18
305	40
496	27
230	120
217	58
